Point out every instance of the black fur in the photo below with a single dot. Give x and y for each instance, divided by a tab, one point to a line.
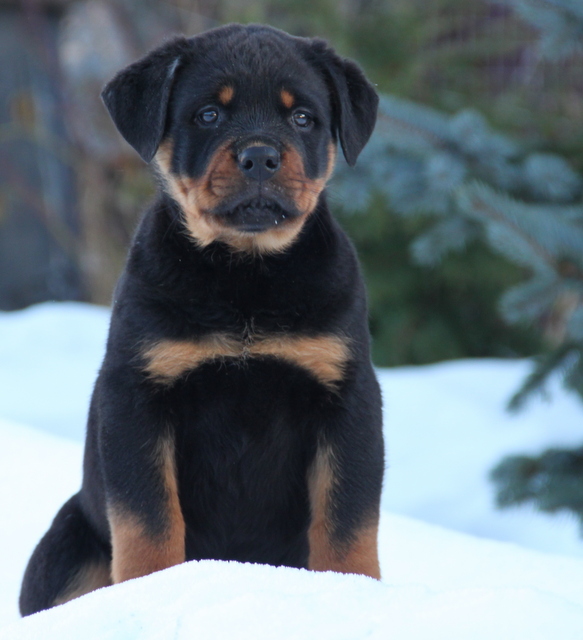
245	430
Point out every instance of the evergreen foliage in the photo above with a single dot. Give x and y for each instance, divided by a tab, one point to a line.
559	22
476	184
468	179
552	481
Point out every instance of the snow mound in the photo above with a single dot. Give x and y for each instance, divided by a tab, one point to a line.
49	357
220	600
38	472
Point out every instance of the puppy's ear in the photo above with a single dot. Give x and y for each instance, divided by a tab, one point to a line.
354	99
137	97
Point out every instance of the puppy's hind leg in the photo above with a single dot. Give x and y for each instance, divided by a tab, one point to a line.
68	562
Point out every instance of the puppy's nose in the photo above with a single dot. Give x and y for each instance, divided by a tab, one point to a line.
259	163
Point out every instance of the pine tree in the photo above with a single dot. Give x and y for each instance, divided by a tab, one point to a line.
559	23
475	183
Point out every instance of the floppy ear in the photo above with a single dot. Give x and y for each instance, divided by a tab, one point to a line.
354	99
137	97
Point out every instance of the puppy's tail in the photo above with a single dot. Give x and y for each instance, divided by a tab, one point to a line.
68	562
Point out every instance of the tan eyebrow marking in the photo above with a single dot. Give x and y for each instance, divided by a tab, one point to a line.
226	94
325	357
287	98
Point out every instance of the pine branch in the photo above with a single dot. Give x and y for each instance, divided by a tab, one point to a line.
485	205
542	236
530	301
560	23
566	357
405	124
552	481
454	233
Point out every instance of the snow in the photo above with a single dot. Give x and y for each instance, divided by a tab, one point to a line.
38	472
446	427
49	358
517	575
229	600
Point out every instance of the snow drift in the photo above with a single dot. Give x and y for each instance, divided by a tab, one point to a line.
494	591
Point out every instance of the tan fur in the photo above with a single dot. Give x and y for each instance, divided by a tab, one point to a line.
320	484
135	552
90	577
169	359
226	95
177	528
325	357
163	157
360	554
198	198
306	192
287	98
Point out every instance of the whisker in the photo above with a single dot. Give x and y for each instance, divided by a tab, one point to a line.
173	223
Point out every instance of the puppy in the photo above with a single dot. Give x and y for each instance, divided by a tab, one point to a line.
236	415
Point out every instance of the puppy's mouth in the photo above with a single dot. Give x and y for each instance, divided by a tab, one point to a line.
255	216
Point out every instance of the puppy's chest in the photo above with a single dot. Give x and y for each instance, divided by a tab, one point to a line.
322	356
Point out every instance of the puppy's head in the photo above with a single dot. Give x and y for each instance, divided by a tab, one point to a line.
242	123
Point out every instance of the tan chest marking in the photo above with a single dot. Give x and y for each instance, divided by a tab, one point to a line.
325	357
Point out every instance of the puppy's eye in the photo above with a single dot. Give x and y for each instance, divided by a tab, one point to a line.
302	119
207	116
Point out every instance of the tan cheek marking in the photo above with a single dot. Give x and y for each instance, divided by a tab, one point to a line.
287	99
90	577
197	196
325	357
360	555
163	157
226	95
305	192
331	161
183	191
135	552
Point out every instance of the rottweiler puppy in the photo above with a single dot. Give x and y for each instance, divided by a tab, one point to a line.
236	415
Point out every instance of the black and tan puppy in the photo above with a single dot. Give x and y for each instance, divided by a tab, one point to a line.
236	415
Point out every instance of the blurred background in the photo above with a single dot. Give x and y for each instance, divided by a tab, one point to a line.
466	206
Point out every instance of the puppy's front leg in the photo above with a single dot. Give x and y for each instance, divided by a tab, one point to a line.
139	463
344	484
154	539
